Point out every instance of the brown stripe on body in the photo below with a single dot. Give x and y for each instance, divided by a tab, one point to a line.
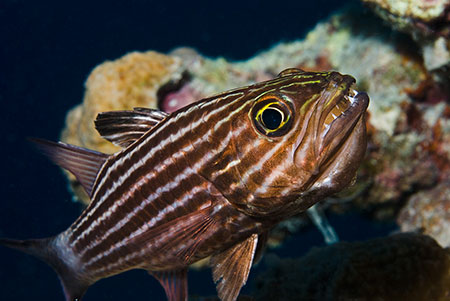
113	175
170	173
109	243
233	227
167	174
190	204
122	161
137	151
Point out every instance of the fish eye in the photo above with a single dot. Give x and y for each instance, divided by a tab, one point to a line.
272	115
272	118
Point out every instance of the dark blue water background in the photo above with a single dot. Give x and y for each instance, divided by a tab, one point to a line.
47	49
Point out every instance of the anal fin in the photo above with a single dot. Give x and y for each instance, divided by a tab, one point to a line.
174	283
231	268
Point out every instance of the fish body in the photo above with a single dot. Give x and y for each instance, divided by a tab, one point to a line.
210	179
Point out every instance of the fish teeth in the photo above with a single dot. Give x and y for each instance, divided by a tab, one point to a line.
352	100
352	96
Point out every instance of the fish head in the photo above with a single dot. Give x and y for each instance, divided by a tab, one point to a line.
308	138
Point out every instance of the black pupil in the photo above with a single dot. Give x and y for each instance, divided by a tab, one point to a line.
271	118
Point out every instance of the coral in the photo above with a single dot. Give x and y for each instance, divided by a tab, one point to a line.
131	81
415	157
421	18
428	23
411	10
401	267
429	211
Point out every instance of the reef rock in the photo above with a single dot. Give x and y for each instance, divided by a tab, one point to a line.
428	22
401	267
429	211
409	14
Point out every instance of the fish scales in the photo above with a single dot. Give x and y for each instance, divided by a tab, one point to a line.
208	180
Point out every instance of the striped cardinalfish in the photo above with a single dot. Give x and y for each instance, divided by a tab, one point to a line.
210	179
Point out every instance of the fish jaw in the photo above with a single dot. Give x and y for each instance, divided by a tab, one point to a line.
334	146
343	163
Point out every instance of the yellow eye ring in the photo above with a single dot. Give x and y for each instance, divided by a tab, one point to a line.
272	115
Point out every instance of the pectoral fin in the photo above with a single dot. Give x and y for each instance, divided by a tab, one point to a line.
174	283
179	238
261	246
231	268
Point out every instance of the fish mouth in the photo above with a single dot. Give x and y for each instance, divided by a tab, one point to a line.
340	114
335	130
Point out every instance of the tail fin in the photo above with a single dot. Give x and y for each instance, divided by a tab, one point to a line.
46	250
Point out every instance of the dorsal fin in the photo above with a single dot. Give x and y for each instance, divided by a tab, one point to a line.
124	127
83	163
231	268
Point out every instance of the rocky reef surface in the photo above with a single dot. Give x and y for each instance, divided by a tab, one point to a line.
427	22
402	62
401	267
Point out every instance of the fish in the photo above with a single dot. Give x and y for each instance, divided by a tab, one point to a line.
208	180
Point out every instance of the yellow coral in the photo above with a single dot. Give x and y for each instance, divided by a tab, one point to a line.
131	81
